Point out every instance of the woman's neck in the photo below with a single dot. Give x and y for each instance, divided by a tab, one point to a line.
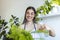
29	22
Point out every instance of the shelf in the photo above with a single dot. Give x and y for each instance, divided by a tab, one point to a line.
49	15
53	13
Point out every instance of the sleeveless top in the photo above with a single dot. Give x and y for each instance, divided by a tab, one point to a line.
38	36
25	27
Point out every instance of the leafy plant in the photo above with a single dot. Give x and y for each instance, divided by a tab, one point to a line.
55	2
3	27
14	20
15	32
44	9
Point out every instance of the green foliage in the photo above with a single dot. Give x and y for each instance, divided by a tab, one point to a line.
14	20
55	2
3	27
16	33
2	22
44	9
41	31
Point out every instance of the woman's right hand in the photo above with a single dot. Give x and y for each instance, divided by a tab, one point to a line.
42	27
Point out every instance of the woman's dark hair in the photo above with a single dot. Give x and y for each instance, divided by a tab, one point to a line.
30	7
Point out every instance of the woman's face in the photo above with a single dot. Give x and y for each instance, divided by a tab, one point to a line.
30	15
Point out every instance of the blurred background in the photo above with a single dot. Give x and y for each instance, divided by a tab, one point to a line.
18	7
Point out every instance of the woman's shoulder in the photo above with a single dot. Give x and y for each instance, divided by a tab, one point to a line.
38	25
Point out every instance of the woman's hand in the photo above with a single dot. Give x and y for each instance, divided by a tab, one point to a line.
45	27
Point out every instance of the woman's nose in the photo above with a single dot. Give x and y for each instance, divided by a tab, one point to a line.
29	14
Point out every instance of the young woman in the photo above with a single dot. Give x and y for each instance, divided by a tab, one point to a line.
29	23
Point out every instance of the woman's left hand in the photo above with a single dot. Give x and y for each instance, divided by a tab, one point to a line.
46	27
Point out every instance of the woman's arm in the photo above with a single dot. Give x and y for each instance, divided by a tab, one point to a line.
51	30
46	27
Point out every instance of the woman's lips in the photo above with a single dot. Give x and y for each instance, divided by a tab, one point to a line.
29	17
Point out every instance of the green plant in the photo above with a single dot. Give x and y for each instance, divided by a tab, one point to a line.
44	9
14	20
3	27
15	32
55	2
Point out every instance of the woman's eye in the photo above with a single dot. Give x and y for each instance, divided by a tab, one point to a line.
27	13
32	13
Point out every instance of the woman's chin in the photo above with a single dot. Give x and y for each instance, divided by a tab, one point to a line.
29	20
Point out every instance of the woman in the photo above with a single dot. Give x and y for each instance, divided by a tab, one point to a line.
30	24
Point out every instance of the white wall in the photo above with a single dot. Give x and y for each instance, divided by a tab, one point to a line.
17	7
0	7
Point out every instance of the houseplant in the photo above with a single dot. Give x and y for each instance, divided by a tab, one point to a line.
15	32
3	27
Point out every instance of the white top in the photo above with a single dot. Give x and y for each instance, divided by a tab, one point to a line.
39	36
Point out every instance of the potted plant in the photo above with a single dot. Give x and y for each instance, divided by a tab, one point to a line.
15	32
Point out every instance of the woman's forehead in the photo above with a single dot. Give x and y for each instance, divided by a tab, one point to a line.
30	10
